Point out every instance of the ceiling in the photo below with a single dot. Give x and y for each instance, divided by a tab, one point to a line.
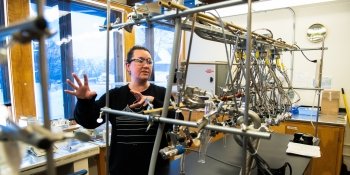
259	4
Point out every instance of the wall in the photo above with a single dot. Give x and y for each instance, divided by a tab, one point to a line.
336	18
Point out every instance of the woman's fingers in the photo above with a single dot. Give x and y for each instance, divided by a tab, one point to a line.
135	105
144	100
86	81
81	91
141	100
77	79
135	92
70	92
71	84
137	95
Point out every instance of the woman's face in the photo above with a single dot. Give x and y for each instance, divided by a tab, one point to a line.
140	67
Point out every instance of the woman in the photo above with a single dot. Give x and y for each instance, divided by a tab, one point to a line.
131	145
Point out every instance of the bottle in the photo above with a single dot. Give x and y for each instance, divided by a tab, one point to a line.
294	110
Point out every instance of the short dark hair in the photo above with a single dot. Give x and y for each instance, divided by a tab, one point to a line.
131	52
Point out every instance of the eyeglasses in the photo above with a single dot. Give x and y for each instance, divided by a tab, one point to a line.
141	60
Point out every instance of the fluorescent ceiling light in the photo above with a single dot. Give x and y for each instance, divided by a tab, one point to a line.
265	5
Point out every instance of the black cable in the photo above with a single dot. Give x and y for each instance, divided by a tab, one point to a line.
268	30
230	164
260	162
313	61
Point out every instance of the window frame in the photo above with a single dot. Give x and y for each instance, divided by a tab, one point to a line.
149	43
66	50
21	58
4	65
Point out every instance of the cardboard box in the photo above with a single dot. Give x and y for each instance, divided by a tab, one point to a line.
330	102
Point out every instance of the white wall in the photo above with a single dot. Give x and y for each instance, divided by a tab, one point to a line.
336	67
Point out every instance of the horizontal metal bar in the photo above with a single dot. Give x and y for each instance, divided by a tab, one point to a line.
35	24
308	49
303	88
187	25
180	14
251	133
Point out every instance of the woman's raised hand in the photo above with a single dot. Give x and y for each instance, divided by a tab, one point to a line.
141	100
81	91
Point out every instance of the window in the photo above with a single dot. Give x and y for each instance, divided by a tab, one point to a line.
159	39
5	95
78	46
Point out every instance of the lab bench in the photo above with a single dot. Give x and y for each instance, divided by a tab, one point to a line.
330	131
224	157
101	159
67	160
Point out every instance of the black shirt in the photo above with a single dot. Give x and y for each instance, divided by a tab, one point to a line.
131	146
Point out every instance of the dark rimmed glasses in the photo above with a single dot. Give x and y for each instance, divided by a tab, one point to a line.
141	60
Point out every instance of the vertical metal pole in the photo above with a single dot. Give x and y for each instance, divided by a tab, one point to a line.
44	90
107	85
182	165
319	86
173	63
247	85
292	60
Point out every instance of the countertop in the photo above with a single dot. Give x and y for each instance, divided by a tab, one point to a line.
339	119
66	153
225	158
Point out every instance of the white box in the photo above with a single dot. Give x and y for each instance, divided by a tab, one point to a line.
209	76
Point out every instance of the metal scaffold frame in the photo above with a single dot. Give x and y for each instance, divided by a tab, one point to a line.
175	54
24	32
